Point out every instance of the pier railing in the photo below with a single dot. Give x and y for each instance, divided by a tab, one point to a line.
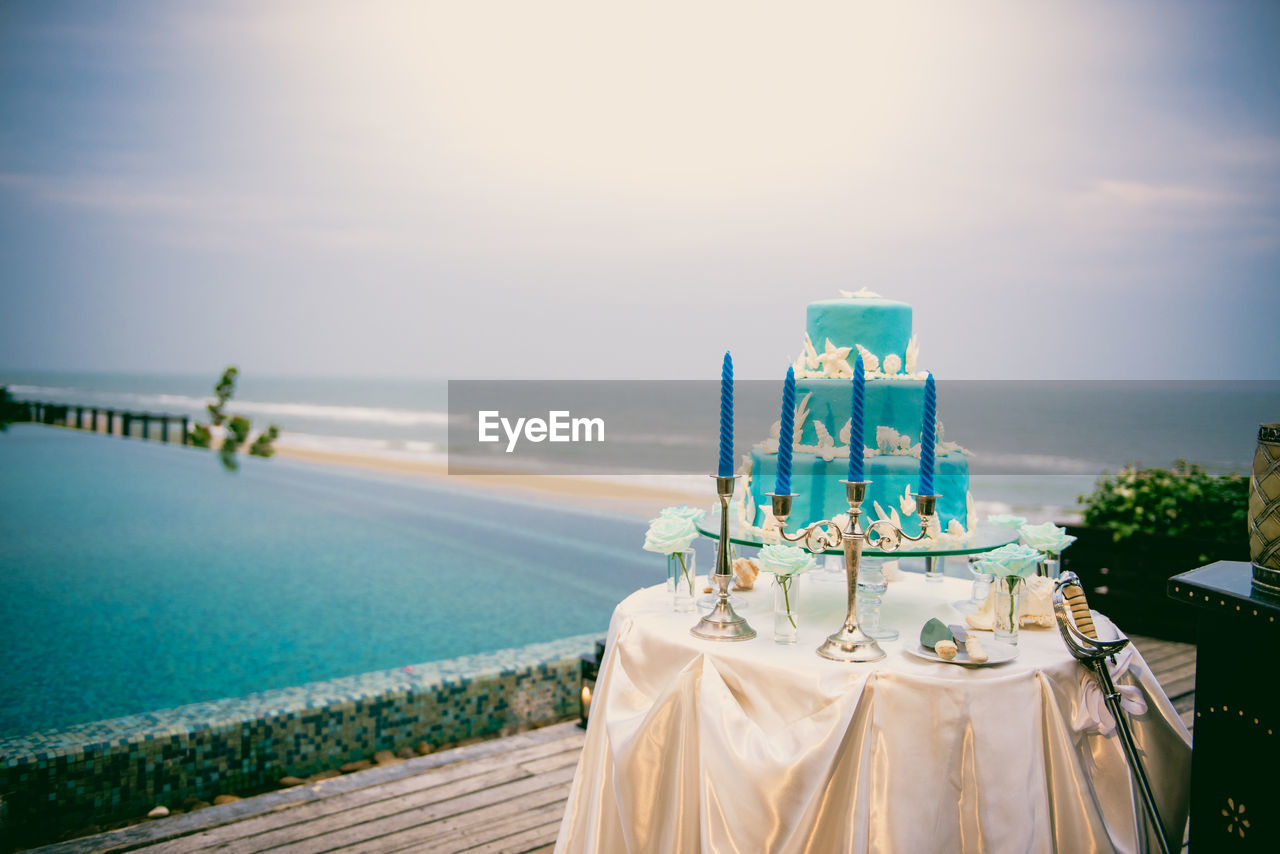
157	426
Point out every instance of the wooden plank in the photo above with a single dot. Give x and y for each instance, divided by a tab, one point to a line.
464	776
478	826
288	827
551	763
1173	660
366	830
369	802
228	815
1149	646
1157	657
1182	688
1183	670
521	842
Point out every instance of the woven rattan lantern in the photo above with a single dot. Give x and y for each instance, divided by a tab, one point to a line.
1264	511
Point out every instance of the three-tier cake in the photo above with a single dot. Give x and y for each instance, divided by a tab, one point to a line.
837	331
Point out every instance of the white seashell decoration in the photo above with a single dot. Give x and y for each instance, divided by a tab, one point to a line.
913	355
835	361
907	503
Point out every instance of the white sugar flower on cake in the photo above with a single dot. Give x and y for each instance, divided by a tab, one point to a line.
886	439
846	431
892	364
860	293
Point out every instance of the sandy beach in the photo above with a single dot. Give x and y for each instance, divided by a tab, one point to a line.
610	495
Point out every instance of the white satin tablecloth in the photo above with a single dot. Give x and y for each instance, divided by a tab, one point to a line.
755	746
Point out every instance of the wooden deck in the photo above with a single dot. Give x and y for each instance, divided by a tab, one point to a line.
505	795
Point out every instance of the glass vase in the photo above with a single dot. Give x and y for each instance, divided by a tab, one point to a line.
1049	565
1008	589
680	578
786	609
871	589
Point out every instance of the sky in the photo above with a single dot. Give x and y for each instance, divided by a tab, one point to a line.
1068	190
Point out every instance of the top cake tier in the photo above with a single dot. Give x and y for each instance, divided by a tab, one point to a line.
880	326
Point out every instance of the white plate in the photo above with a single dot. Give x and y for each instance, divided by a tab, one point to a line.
998	652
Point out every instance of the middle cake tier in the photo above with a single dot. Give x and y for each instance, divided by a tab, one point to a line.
890	443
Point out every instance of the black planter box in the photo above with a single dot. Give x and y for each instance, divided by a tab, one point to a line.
1126	580
1237	728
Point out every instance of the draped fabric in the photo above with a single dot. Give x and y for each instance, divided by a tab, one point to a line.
755	746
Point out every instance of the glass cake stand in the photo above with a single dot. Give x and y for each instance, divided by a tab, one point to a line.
984	538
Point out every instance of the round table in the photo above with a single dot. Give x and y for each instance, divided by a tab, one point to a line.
694	745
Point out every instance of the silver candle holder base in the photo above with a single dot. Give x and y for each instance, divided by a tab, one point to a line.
722	623
850	643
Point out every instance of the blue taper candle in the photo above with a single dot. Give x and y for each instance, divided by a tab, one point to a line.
928	435
855	422
782	486
725	468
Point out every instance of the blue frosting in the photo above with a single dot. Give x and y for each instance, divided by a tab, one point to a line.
821	495
883	326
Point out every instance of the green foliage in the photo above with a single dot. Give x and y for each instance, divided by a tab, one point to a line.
237	433
1180	501
264	446
236	428
223	390
7	408
200	436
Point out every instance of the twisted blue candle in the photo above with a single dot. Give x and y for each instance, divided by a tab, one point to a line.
855	423
928	434
726	418
782	486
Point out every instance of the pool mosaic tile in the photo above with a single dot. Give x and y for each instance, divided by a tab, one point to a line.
89	773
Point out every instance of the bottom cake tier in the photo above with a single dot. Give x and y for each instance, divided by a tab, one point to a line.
816	483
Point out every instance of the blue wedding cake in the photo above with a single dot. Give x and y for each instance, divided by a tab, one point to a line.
837	332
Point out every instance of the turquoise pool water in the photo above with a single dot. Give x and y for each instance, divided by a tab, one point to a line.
137	576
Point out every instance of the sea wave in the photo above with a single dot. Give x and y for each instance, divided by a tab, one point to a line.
184	403
1014	463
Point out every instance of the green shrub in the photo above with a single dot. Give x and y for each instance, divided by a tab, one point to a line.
1180	501
236	428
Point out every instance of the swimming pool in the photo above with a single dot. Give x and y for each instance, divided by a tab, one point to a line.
137	576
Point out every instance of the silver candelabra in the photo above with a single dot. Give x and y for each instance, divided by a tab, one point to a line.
850	643
722	623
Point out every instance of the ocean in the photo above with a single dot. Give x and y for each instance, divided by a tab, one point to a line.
1036	447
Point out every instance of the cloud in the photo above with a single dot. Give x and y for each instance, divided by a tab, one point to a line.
1163	197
